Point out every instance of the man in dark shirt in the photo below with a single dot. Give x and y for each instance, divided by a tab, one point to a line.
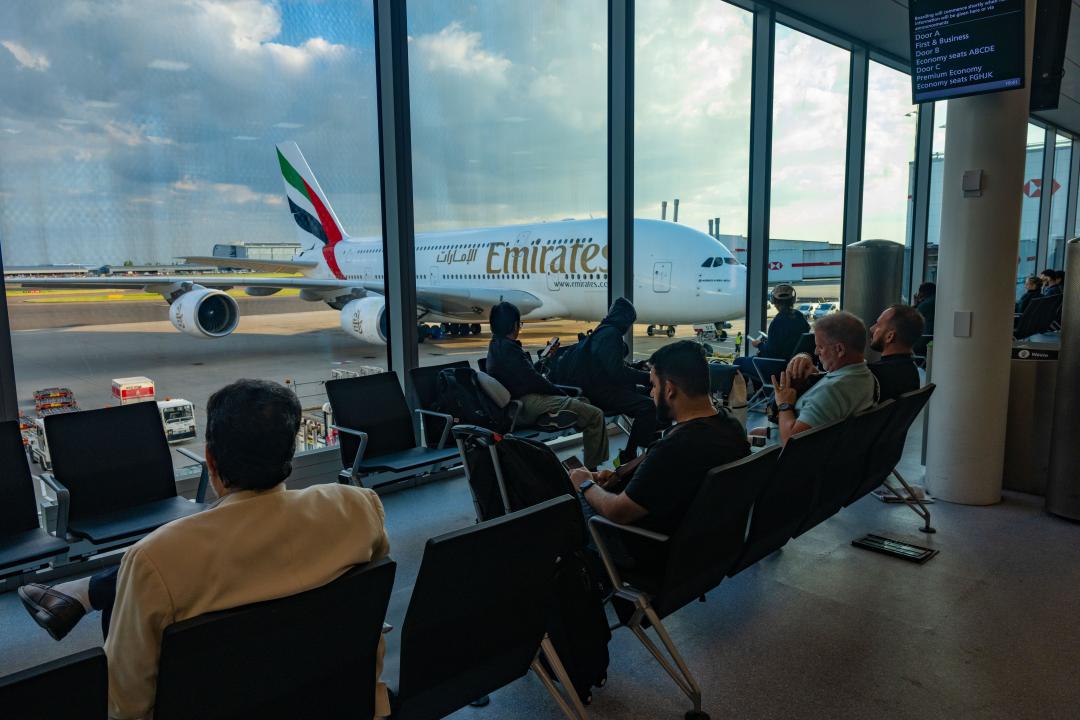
508	363
663	484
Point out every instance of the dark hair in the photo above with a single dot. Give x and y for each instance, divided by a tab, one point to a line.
251	428
927	288
504	318
682	363
843	328
907	322
1048	272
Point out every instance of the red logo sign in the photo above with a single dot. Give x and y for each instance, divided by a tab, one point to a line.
1033	187
775	265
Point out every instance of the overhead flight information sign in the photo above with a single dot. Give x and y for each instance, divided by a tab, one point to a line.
965	47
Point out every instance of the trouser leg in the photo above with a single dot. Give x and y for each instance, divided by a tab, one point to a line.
103	595
594	437
639	407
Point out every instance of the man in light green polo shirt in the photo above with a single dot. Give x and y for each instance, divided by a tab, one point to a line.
847	387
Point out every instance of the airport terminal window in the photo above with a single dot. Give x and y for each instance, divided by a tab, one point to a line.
691	146
1058	200
937	168
1033	194
134	136
891	125
810	81
509	140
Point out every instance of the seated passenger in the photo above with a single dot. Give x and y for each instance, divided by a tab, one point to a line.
784	333
258	542
656	491
897	329
1032	290
847	387
598	366
925	302
508	363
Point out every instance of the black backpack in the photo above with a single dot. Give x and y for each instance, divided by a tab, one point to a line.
460	395
578	627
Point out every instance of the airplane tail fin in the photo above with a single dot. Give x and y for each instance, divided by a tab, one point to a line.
313	214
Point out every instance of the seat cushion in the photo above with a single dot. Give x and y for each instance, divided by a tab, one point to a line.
410	459
134	521
29	545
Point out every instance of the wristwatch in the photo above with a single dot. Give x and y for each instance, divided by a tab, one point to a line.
785	406
585	485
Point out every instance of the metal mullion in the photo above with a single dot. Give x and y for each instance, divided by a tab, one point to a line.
9	404
855	158
395	168
621	151
760	180
1070	208
920	187
1045	198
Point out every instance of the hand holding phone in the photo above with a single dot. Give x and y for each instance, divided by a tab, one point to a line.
572	463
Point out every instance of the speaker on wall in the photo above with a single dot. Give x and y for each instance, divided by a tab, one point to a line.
1048	58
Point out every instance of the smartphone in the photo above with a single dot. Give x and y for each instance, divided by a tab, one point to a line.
762	336
572	463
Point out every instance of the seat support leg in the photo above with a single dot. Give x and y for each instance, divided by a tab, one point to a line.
680	672
917	506
574	709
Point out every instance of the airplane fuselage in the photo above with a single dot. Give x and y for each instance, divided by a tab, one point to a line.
565	264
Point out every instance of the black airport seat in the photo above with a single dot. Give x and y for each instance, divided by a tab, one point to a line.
116	465
308	655
76	686
376	436
424	381
805	344
787	495
1040	316
24	545
765	368
843	470
479	609
695	559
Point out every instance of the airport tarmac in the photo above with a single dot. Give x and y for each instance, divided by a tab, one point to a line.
299	348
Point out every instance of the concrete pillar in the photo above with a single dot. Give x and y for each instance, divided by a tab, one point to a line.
975	287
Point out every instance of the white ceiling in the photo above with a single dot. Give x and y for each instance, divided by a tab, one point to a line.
883	24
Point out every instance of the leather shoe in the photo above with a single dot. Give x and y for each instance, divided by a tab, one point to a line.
51	609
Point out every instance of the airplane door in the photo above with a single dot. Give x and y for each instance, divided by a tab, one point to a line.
433	275
661	277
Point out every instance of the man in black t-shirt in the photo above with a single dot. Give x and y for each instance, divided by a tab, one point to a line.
656	492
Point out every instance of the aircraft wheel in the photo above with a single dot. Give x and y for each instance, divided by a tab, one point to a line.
650	331
476	328
670	331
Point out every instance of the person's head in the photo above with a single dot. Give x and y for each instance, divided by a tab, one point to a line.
840	340
783	296
1032	283
680	378
505	320
251	428
927	290
897	329
621	314
1047	276
1058	277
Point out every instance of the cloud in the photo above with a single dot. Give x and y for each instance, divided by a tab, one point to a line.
297	58
245	138
27	58
288	125
455	50
228	193
168	65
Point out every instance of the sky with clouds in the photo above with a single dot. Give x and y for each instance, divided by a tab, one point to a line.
144	129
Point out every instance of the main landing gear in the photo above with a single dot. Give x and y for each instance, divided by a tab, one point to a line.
437	332
652	330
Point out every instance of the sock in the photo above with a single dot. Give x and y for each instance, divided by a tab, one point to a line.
78	589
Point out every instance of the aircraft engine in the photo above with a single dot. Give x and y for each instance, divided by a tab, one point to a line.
365	319
204	313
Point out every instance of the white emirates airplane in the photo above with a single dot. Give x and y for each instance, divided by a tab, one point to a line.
549	270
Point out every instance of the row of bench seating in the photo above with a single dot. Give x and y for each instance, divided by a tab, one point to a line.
477	621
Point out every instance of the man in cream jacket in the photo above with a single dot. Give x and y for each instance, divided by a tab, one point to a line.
258	542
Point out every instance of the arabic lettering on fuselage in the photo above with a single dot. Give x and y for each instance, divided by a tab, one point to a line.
453	256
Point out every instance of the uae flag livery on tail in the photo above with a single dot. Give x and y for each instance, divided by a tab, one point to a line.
307	202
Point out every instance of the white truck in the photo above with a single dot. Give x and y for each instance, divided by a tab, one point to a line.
178	418
133	389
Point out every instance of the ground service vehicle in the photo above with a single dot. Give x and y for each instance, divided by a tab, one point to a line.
132	389
178	418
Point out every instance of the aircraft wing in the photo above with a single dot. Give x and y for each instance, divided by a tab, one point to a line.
475	302
270	266
156	283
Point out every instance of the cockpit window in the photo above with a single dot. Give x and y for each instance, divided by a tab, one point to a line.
731	261
707	263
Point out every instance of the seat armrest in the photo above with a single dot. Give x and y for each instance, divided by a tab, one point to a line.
63	503
448	422
354	474
514	409
595	523
204	477
482	435
571	390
